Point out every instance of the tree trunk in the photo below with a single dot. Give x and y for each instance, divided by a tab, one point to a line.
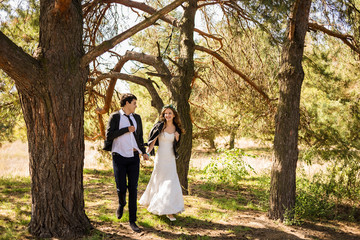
181	89
54	112
211	139
232	140
283	172
212	143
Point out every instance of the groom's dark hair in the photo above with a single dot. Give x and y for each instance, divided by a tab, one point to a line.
127	97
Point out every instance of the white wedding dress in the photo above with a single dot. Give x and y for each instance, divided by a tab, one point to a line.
163	193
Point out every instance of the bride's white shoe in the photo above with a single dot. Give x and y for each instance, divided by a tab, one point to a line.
171	217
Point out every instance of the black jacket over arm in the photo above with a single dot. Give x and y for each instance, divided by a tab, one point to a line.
154	133
113	131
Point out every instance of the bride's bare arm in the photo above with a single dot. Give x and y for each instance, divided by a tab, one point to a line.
177	136
151	146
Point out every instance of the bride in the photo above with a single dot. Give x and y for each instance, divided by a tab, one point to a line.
163	195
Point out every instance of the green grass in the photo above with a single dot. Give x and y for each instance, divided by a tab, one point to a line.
251	193
15	207
209	203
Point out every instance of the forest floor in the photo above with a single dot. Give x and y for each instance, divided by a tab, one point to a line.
212	211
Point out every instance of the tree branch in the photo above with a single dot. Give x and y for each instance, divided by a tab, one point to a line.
232	68
147	83
132	78
107	45
157	63
145	8
343	37
19	65
156	74
169	19
94	138
153	61
204	34
211	3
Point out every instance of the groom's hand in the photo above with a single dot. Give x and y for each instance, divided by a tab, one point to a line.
131	129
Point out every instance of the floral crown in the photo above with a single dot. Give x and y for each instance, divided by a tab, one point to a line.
169	106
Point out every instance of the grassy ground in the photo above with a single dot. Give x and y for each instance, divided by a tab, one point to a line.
213	210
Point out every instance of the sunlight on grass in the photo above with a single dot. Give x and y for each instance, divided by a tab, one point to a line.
239	229
228	204
15	208
151	220
210	208
211	213
95	235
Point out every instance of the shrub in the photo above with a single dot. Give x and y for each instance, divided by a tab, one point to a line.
228	167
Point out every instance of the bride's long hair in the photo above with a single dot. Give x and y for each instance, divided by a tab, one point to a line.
176	118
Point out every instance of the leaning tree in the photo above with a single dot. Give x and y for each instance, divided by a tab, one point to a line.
51	87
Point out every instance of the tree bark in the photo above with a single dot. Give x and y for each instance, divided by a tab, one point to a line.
283	172
232	140
52	99
181	89
19	65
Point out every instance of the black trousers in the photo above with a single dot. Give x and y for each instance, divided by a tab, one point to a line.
126	172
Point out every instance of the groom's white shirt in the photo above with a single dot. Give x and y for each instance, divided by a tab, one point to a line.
126	143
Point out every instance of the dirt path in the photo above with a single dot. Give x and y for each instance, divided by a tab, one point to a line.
246	225
227	224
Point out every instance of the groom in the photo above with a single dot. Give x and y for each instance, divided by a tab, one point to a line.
124	138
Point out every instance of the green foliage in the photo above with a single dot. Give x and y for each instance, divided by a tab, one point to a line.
334	194
270	15
228	167
21	25
12	124
344	179
15	207
312	201
330	109
222	102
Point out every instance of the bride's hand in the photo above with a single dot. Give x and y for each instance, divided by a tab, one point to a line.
177	136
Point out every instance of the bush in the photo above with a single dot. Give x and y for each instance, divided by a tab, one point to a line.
334	194
312	200
229	167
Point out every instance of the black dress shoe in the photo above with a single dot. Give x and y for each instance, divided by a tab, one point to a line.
134	227
119	212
